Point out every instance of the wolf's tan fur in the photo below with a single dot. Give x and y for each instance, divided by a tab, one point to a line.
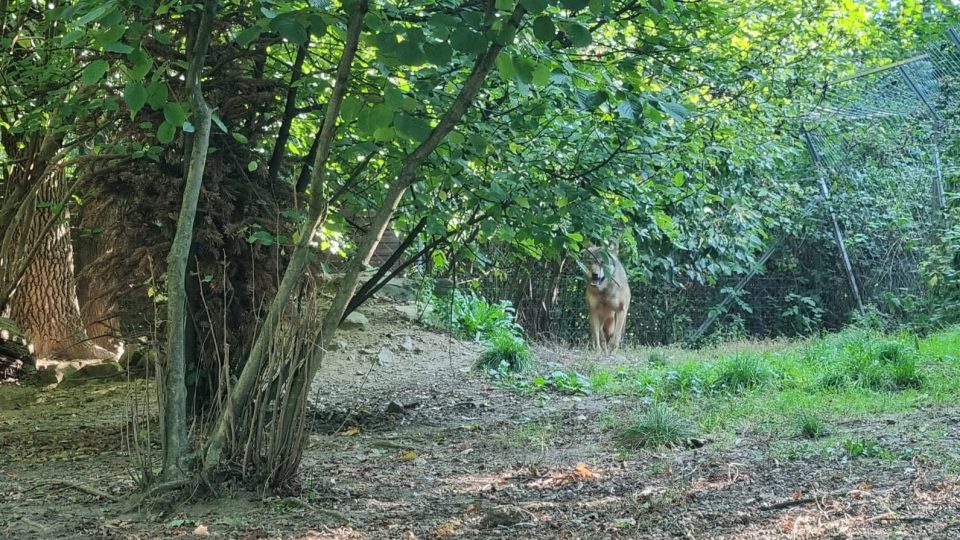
608	298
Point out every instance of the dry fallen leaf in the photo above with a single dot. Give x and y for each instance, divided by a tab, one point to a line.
201	530
583	471
350	432
409	456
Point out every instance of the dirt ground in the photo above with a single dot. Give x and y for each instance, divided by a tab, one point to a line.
458	457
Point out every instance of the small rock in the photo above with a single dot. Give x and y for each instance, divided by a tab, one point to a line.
339	345
355	321
201	530
409	312
395	408
384	357
91	372
695	442
398	291
407	344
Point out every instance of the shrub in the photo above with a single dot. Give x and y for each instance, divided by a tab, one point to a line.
505	352
658	426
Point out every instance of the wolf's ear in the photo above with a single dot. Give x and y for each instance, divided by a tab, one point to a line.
615	246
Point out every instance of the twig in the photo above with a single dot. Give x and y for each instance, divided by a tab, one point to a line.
34	524
322	511
86	489
803	500
382	443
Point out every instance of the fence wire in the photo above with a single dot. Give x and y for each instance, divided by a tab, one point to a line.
884	141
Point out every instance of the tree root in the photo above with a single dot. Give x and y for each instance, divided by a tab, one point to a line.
86	489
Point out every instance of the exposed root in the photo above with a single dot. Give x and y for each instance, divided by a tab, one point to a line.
86	489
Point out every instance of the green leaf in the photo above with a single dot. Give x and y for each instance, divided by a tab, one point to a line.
174	113
541	75
349	108
544	29
165	133
456	137
94	14
381	116
252	166
524	67
679	178
142	62
574	5
438	54
70	37
598	6
392	96
157	94
411	127
467	41
579	35
94	72
240	137
676	110
117	47
535	6
135	94
505	66
216	120
249	35
504	5
625	109
410	53
290	28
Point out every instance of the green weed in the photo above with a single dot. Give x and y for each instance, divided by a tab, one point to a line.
505	352
811	425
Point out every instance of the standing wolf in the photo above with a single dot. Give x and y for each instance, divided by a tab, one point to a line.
608	297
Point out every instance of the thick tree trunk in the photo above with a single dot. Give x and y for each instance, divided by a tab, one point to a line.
44	303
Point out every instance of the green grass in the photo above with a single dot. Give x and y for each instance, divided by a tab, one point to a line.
797	390
657	426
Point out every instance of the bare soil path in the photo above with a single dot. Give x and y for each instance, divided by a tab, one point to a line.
408	443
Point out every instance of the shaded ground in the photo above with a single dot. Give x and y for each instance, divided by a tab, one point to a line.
461	458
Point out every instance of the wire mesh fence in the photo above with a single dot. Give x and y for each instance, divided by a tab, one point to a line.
883	145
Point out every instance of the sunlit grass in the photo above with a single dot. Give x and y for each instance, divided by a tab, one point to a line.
796	390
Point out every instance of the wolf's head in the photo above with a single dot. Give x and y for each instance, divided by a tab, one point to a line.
595	263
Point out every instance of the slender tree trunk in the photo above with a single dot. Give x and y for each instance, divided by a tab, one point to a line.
175	396
241	393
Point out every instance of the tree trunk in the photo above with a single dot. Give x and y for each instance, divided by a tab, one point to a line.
44	303
175	390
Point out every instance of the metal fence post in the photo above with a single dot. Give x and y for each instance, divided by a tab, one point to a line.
938	187
838	234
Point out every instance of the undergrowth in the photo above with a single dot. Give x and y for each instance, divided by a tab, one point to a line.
795	391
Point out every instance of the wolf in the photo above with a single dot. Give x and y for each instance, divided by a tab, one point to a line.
608	298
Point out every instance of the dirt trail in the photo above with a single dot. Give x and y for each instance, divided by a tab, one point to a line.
411	444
